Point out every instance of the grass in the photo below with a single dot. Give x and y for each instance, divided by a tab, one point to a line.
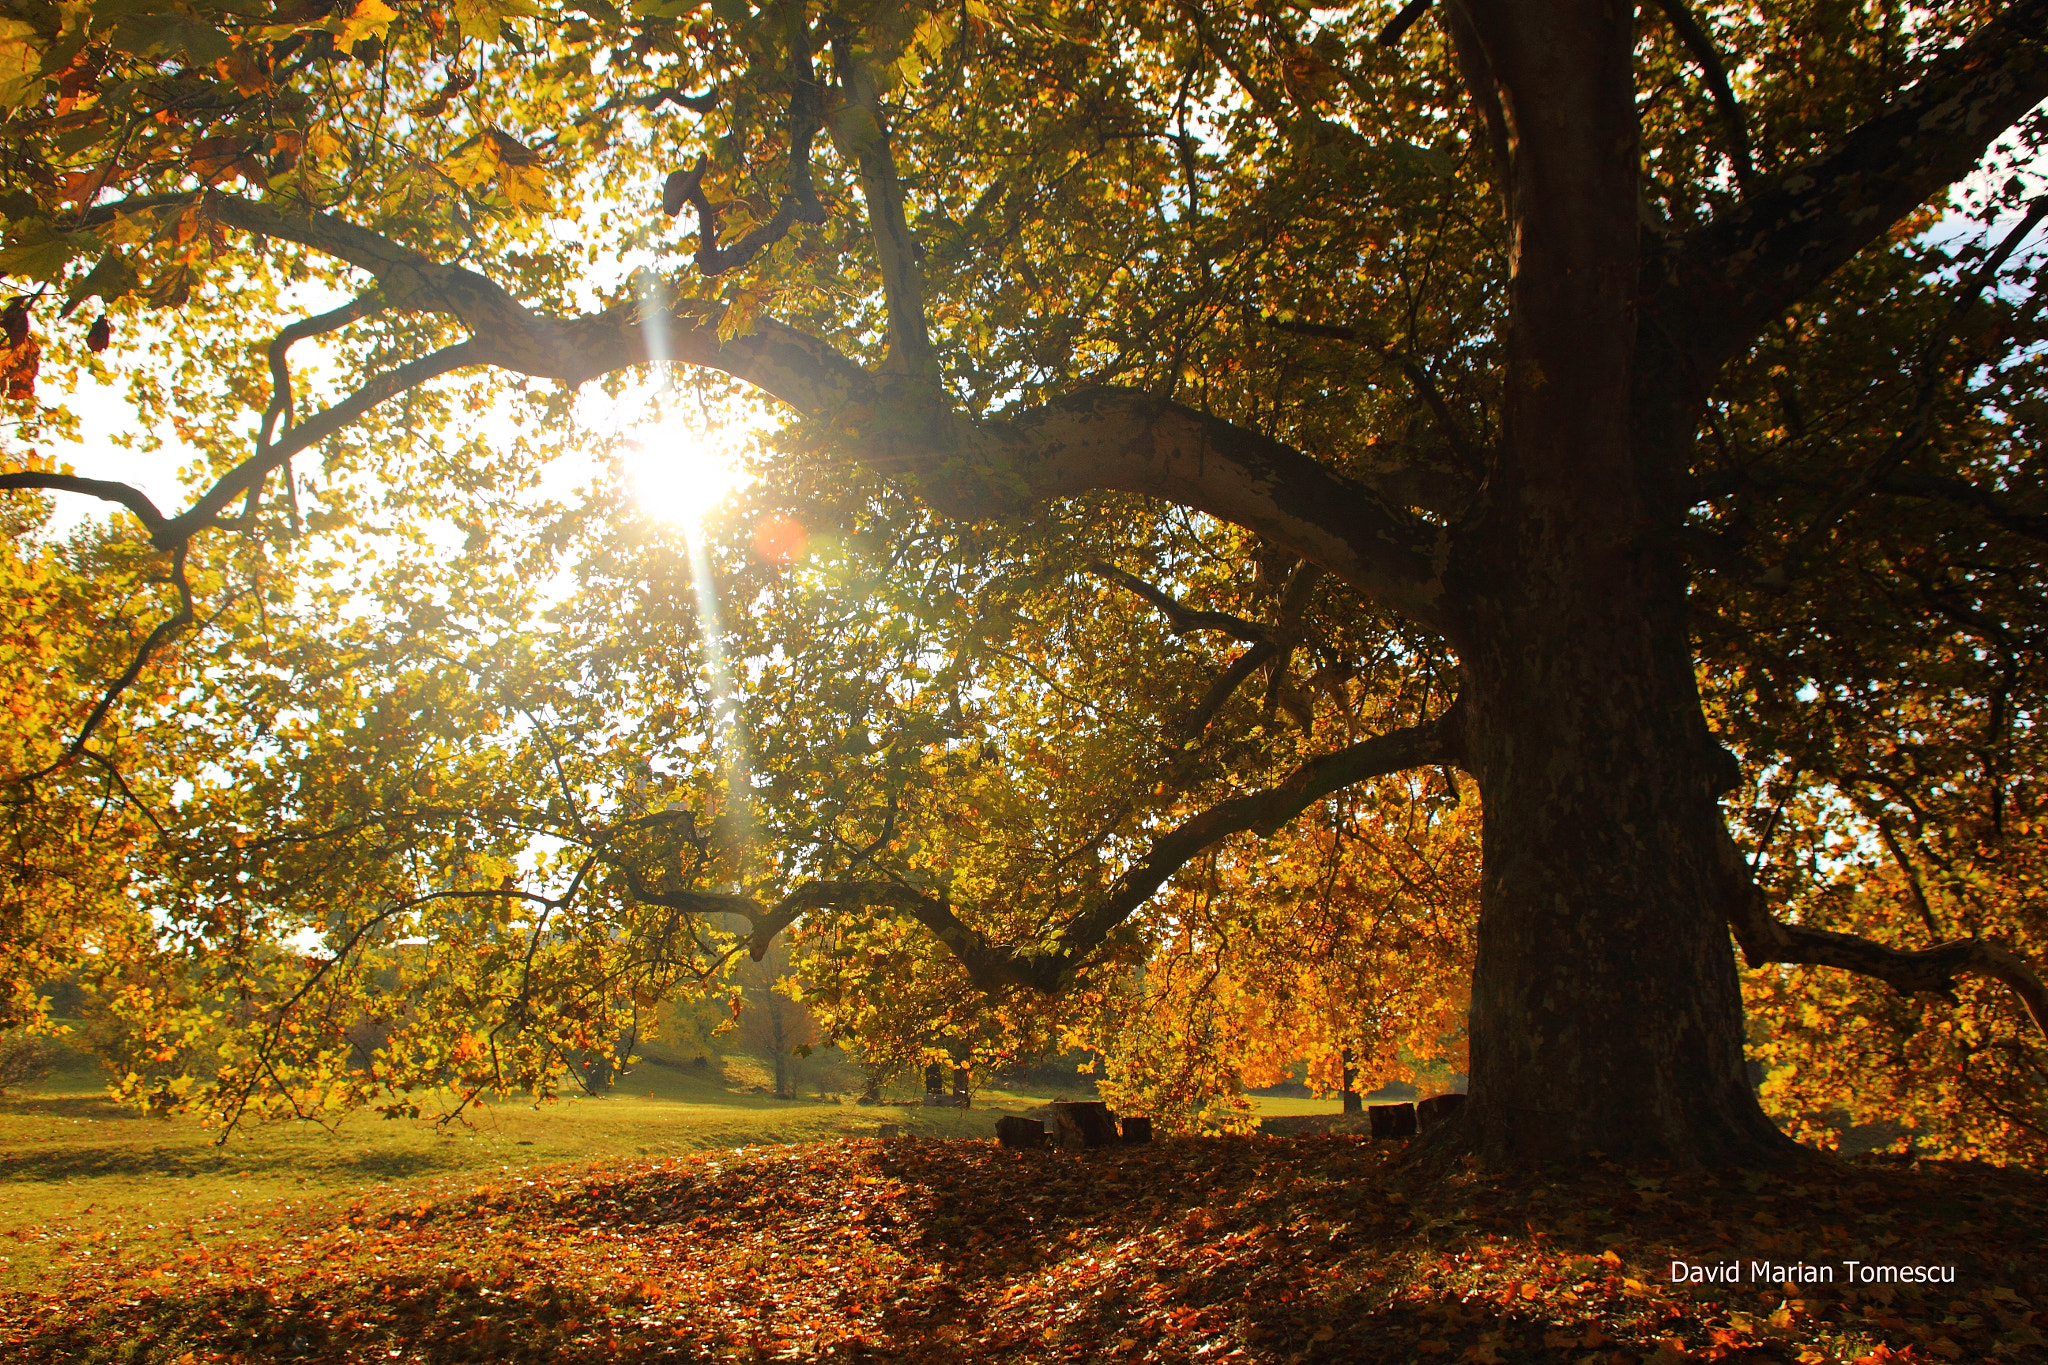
78	1172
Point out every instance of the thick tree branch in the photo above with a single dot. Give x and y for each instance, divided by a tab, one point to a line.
1140	443
1765	939
1098	438
1724	284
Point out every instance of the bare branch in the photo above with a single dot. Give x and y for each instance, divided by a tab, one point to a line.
129	496
1185	619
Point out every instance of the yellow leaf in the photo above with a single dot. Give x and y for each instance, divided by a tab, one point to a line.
369	19
21	62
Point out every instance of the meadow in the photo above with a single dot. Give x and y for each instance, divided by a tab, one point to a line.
82	1177
689	1217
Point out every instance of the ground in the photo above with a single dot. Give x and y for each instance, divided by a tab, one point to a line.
943	1247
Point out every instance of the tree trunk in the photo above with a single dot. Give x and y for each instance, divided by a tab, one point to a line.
776	1040
1354	1103
1606	1010
1606	1014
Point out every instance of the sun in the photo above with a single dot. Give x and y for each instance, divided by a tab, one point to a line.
682	471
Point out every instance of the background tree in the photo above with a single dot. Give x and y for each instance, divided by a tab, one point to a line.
1203	415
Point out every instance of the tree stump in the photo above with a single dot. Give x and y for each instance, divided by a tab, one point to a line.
1437	1108
1137	1130
1392	1120
1083	1123
1022	1133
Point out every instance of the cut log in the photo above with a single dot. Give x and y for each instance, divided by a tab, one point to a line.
1013	1131
1137	1130
1083	1123
1437	1108
1392	1120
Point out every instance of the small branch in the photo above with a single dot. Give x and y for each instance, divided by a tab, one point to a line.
1185	619
1418	378
156	638
129	496
313	430
799	201
1398	26
1929	375
1701	46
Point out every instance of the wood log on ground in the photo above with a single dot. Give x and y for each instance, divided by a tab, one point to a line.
1392	1120
1137	1130
1013	1131
1083	1123
1437	1108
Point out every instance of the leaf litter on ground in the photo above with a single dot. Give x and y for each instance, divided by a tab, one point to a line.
1242	1249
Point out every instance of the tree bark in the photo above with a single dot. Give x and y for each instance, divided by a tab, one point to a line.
1606	1013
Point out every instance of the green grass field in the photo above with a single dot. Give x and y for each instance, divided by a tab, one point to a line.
80	1174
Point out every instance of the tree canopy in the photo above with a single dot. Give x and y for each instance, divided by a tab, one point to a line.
1277	534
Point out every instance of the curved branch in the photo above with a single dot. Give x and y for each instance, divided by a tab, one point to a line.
1047	967
1765	939
280	374
155	640
107	490
313	430
1184	619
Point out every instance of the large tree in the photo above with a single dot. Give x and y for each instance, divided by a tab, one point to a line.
1497	373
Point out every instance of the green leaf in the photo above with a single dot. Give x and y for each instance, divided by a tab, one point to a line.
38	253
109	279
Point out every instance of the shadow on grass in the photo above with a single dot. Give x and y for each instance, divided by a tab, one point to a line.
1257	1250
